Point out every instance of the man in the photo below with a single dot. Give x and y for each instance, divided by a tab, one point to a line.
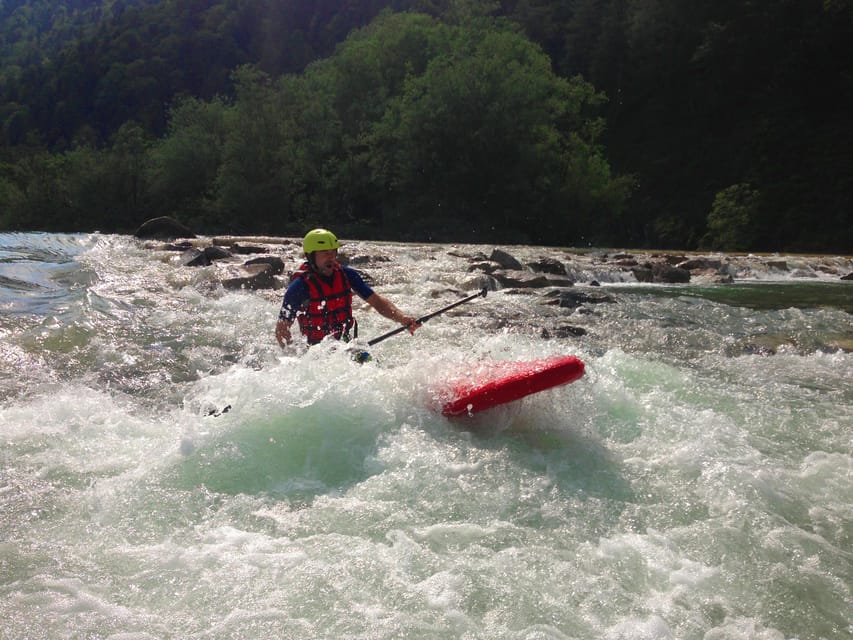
320	295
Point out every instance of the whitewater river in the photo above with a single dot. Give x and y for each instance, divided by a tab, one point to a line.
696	483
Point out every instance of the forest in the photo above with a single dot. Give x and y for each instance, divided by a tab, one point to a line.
674	124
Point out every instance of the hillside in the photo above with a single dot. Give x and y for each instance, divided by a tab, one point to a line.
729	120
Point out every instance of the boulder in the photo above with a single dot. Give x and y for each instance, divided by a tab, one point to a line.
700	264
528	280
163	228
573	299
643	274
485	267
548	265
275	263
505	260
194	258
216	253
261	276
242	250
665	272
203	257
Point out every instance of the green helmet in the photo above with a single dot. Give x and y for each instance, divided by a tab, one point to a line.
319	240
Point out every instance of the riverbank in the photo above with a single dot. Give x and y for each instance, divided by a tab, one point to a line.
498	267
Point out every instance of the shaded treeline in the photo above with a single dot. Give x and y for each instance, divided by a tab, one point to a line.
632	122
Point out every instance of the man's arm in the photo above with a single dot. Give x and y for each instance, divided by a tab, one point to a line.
386	308
293	298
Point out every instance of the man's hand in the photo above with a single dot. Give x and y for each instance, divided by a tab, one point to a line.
409	322
282	333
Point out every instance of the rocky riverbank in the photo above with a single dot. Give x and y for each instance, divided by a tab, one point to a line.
261	262
565	281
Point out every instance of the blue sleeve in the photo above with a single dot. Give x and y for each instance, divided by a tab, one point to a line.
296	294
357	283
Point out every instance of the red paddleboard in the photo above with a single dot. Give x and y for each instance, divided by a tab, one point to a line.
502	382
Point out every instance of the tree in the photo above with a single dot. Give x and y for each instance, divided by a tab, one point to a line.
731	222
185	164
489	135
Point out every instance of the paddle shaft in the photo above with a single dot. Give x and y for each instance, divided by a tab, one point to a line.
385	336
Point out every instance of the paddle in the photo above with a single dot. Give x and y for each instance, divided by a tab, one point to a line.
385	336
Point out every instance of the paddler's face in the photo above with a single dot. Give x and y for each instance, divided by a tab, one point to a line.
325	261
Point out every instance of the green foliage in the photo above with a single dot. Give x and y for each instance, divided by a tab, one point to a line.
251	185
492	136
463	118
731	223
185	163
33	193
468	122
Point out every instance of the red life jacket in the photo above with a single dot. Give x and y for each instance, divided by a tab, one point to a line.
328	310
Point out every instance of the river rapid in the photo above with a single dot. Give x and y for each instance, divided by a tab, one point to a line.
697	483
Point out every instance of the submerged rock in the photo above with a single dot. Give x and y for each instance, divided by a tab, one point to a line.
574	299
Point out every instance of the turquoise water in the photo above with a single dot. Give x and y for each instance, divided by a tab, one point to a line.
696	483
767	295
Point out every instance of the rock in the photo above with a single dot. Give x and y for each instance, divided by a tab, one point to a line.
643	274
849	276
560	281
574	299
766	344
174	246
262	278
485	267
665	272
480	282
700	264
505	260
779	265
520	279
194	258
564	331
528	280
216	253
710	276
242	250
275	263
203	257
548	265
163	228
